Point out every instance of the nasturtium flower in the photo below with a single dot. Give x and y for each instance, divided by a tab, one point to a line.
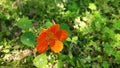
52	37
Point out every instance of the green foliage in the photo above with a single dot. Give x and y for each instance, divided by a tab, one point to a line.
116	24
93	27
117	56
105	64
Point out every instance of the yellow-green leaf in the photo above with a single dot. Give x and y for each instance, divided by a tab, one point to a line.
40	61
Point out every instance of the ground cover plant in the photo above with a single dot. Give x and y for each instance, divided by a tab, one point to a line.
59	34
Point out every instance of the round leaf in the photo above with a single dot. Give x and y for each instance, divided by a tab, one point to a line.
40	61
24	23
28	38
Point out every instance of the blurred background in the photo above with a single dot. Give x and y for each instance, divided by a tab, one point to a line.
93	27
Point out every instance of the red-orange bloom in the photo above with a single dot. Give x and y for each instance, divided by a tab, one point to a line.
53	37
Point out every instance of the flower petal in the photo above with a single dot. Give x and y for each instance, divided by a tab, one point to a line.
54	28
56	46
61	34
42	36
42	46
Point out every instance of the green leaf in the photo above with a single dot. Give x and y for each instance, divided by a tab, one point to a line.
98	58
73	7
117	56
75	39
6	50
70	55
1	34
92	6
65	27
40	61
108	49
28	38
60	64
116	24
105	64
48	24
109	33
24	23
98	25
117	36
69	39
71	61
6	66
62	56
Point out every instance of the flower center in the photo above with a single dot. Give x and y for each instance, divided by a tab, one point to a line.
51	36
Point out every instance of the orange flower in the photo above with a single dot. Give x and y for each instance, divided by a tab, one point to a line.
53	37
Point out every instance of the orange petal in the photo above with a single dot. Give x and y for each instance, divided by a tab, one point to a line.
56	46
62	34
42	36
54	28
42	47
